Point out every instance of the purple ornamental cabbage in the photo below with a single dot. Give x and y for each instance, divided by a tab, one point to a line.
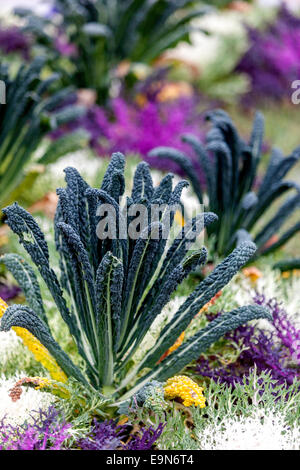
286	332
273	59
8	292
137	129
108	435
145	120
48	431
277	352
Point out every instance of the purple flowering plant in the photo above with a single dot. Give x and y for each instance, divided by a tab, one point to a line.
48	430
104	435
147	439
137	129
135	124
276	351
100	37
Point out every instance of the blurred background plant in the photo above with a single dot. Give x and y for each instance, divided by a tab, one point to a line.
29	113
204	66
13	41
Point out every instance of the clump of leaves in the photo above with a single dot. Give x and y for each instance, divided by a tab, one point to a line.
275	351
98	36
230	165
112	289
29	113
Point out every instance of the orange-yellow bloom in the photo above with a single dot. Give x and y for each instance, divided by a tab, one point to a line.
210	303
179	218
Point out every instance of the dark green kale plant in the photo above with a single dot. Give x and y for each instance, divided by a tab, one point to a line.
111	290
233	188
288	264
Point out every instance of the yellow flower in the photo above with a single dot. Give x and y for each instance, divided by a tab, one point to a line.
141	100
52	386
39	351
286	274
186	389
